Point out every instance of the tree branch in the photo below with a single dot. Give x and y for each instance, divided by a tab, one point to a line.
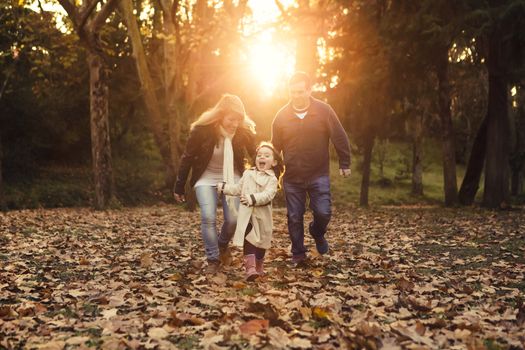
85	13
71	10
281	8
103	14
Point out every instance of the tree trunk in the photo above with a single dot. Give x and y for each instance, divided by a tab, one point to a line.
497	172
470	183
2	198
367	161
148	89
518	152
449	152
172	87
100	144
417	157
516	182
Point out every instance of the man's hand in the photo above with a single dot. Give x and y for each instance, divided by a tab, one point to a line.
345	172
179	198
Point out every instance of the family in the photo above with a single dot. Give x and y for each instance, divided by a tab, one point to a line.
219	141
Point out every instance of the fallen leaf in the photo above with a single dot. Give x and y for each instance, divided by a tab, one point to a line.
146	260
157	333
107	314
320	313
278	337
77	340
300	343
253	326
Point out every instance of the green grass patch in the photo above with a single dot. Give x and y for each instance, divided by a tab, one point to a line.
251	291
492	344
91	310
393	186
280	285
319	323
189	342
139	180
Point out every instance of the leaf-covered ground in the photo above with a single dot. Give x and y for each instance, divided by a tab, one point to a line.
396	278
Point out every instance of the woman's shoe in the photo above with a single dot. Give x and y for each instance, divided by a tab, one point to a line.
225	255
213	267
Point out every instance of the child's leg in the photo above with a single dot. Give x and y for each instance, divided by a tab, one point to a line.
253	251
249	248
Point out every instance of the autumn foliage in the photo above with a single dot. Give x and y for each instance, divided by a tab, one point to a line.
396	278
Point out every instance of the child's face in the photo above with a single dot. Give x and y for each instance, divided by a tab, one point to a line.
264	159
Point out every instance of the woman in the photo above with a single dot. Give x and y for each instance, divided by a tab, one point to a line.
215	150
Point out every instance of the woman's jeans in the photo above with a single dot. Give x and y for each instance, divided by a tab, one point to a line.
208	199
318	190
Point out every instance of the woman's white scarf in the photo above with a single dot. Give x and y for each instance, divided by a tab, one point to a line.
228	173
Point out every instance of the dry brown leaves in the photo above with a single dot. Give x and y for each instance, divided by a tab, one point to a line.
396	278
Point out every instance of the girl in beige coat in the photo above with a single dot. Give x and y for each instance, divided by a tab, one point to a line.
256	190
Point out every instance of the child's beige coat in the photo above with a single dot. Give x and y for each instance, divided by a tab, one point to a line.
262	185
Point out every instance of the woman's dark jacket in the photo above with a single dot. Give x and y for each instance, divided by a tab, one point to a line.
199	150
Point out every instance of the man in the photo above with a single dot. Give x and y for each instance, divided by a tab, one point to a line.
301	130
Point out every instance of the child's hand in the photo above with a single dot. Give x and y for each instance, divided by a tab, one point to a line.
246	200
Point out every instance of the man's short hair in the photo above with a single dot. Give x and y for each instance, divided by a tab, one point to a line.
300	76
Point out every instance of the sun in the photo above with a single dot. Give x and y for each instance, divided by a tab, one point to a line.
270	61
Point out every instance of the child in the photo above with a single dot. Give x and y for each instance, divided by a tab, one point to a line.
256	189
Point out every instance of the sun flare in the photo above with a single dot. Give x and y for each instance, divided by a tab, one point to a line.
270	64
270	61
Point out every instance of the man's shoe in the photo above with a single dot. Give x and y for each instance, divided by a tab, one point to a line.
322	245
299	261
225	255
213	267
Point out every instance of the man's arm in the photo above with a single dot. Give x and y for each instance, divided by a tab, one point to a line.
340	141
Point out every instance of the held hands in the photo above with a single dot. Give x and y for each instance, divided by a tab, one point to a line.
345	172
220	188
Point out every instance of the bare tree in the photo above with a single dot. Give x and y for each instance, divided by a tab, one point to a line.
150	99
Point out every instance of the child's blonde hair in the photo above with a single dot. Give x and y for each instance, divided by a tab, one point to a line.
227	104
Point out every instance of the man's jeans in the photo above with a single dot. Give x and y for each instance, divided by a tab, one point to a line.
208	199
318	190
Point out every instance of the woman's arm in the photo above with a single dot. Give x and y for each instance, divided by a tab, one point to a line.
186	161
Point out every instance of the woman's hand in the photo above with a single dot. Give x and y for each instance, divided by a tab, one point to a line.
179	198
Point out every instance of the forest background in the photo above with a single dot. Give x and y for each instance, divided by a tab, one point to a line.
96	97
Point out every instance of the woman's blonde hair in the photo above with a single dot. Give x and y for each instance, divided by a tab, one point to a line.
227	103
